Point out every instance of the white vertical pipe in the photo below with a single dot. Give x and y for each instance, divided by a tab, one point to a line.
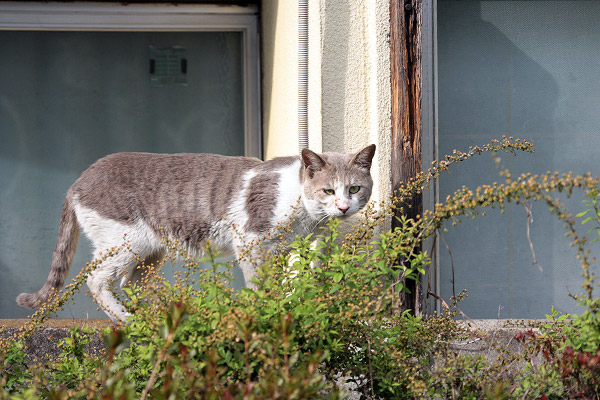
303	74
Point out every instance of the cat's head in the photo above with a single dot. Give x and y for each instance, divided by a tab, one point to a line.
336	184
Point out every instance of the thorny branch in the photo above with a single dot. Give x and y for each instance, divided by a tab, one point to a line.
527	207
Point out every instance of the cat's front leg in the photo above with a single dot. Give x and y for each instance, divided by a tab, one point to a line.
250	256
249	271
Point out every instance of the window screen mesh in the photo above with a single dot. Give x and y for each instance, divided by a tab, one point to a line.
528	69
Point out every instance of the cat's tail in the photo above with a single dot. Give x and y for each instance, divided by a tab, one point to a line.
68	234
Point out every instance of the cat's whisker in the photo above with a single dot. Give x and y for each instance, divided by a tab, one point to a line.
319	222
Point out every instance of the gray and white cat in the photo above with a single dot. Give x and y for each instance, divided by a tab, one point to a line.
232	201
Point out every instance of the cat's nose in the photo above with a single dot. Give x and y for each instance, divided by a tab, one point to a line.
342	205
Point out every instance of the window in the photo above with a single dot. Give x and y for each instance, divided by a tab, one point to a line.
527	69
80	81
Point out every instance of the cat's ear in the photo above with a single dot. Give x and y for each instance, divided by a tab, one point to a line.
363	158
312	162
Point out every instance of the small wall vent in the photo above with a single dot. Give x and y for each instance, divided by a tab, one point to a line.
168	66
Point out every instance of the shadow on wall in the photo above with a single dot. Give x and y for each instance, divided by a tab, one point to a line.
8	283
489	87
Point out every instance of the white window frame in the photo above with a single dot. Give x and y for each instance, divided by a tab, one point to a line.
31	16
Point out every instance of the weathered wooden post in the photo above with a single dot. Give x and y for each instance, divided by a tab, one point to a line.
405	42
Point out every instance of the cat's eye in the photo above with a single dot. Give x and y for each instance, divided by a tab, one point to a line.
354	189
329	191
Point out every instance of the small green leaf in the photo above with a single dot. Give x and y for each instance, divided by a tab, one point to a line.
581	214
337	276
588	219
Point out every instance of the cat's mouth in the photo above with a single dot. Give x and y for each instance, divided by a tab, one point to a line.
341	215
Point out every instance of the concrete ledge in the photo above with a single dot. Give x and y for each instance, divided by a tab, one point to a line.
488	337
482	333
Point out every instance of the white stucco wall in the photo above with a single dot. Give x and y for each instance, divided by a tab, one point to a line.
349	79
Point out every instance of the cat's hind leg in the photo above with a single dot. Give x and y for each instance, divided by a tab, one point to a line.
124	266
129	243
101	280
127	266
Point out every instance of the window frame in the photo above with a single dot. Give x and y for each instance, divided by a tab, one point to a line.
26	16
429	141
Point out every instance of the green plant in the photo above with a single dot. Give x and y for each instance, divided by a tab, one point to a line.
321	313
14	366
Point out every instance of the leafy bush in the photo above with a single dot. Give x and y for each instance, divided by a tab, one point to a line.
321	314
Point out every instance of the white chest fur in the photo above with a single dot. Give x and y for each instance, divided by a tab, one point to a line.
289	193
